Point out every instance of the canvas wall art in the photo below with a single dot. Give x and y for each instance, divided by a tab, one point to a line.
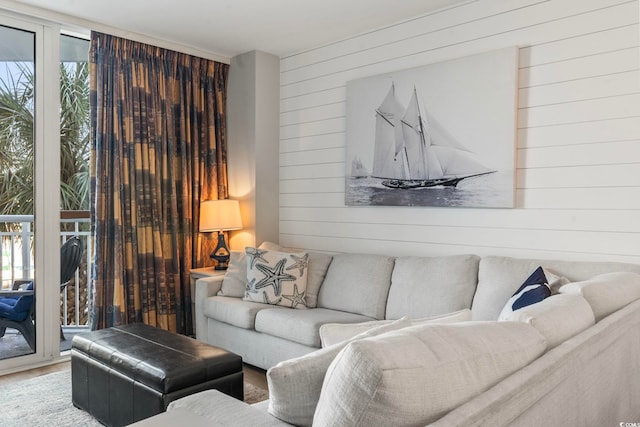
438	135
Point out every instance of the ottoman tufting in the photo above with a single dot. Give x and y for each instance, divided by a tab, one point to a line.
126	373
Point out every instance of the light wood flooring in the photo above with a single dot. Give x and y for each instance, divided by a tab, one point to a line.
252	375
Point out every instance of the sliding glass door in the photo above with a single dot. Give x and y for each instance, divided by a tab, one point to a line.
29	191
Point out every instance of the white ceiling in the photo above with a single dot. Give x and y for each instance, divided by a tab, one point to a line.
231	27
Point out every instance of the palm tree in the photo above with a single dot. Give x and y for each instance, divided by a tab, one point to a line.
16	139
75	149
16	142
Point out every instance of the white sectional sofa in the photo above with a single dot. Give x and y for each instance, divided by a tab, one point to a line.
571	359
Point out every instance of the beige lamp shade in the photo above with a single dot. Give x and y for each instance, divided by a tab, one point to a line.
218	215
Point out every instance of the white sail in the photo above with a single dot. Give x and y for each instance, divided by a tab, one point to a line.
454	159
414	140
456	162
434	167
387	161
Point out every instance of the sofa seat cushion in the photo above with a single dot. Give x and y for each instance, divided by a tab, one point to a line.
499	277
357	283
429	286
557	318
301	326
607	292
416	375
218	409
235	311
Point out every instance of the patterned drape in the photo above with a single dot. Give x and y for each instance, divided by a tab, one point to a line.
159	147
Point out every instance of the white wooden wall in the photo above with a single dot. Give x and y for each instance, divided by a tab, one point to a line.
578	139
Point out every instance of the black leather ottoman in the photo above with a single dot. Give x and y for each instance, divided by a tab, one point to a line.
124	374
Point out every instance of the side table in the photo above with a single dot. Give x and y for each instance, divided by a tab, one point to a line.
195	274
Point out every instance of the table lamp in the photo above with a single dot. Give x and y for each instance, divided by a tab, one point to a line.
220	215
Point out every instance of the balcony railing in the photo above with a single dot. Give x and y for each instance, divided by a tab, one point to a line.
16	261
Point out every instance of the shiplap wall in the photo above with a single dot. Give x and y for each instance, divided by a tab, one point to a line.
578	135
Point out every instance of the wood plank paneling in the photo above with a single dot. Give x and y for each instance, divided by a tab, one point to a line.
624	129
620	221
605	153
580	90
312	142
599	64
578	139
581	177
559	240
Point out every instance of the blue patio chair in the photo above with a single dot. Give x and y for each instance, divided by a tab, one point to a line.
17	307
16	311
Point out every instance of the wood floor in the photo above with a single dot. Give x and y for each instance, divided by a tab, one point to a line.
252	375
32	373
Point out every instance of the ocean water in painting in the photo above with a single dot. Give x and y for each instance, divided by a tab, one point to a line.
483	191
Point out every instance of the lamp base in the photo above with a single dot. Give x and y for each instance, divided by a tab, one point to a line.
221	253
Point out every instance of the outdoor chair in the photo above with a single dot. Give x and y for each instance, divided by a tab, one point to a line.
17	310
17	307
70	258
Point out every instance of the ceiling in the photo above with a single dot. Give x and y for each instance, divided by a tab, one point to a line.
232	27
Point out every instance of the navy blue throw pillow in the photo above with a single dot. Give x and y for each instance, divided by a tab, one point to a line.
533	290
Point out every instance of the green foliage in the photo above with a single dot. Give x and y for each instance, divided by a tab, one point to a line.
16	139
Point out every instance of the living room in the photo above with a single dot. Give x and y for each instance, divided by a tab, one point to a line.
576	149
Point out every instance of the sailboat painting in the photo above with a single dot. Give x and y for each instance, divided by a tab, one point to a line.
438	135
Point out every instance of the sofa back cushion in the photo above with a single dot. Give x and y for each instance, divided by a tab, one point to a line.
499	277
557	318
333	333
607	292
429	286
357	283
295	384
416	375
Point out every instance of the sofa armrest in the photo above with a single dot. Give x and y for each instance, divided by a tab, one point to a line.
208	286
224	410
205	288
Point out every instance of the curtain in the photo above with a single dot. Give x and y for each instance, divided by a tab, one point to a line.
159	147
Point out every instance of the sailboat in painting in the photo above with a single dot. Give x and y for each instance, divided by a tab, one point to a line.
357	169
409	153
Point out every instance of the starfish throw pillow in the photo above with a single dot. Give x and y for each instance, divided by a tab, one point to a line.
276	278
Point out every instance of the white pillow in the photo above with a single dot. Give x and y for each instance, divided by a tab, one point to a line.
416	375
556	281
295	384
332	333
607	292
557	318
277	278
234	283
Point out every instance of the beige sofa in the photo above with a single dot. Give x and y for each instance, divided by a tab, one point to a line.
569	360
